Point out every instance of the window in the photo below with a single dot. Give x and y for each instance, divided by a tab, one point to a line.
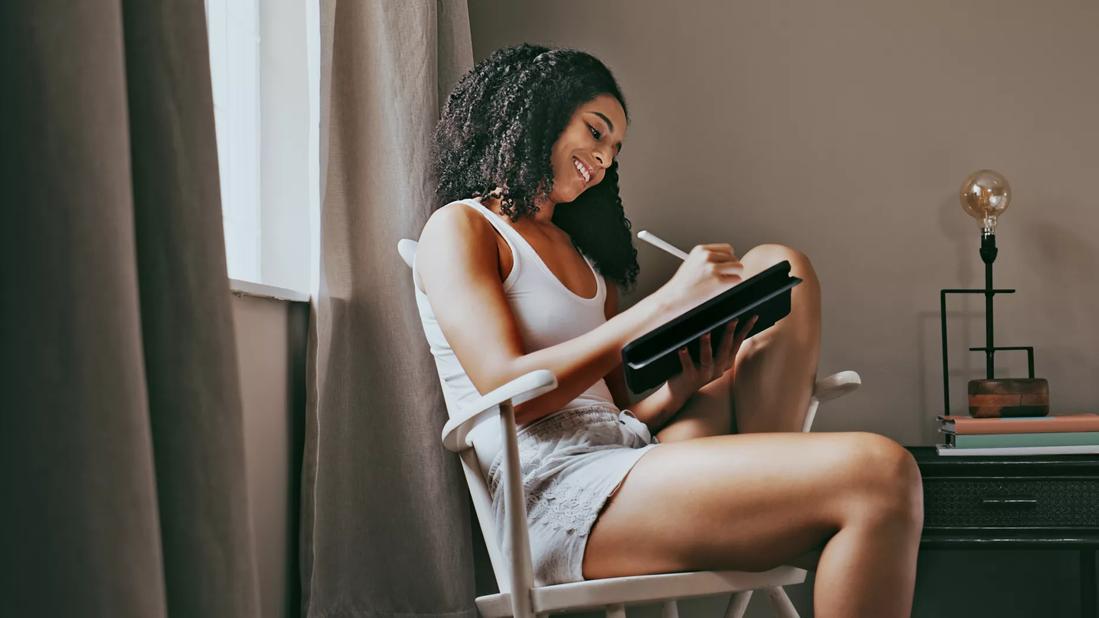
264	68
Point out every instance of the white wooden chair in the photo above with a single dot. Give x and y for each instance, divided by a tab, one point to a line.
518	596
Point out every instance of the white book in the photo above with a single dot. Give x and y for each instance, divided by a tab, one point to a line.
1019	450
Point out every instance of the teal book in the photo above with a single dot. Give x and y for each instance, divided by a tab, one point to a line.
1002	440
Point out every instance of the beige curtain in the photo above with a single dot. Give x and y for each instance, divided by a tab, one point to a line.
385	518
120	424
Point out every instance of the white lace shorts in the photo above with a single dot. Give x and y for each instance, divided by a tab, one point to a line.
571	463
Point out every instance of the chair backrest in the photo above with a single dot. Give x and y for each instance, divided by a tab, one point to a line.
478	485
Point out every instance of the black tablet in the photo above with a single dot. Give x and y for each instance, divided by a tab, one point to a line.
652	358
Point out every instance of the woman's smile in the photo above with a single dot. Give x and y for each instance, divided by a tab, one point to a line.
588	144
582	170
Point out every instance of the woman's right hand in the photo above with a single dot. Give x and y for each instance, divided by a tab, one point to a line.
708	270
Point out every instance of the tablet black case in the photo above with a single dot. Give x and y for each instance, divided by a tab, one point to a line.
652	358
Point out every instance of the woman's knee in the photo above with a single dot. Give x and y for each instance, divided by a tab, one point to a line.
806	310
807	294
763	256
885	480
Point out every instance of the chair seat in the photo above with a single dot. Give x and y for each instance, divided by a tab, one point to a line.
640	589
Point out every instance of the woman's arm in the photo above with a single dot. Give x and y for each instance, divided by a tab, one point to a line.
458	265
656	409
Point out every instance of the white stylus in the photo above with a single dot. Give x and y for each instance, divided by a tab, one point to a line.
652	239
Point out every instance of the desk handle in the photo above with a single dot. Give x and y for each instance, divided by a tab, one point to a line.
1009	502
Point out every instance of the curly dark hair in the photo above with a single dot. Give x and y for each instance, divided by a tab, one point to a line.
498	128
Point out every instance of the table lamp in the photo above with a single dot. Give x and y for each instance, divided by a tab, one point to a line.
985	195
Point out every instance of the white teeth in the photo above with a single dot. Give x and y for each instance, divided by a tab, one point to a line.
582	169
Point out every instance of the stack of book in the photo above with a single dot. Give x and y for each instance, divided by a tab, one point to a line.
1069	434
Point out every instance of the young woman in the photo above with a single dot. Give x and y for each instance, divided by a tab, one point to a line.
512	275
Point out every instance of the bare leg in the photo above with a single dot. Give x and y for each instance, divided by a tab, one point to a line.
756	501
774	371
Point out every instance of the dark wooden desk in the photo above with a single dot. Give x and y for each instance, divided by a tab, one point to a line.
1029	502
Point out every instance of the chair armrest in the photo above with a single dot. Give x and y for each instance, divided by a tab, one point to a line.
500	404
836	385
523	388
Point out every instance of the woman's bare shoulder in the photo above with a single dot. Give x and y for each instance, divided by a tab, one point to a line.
456	238
455	219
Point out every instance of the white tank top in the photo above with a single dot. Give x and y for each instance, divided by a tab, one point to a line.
548	313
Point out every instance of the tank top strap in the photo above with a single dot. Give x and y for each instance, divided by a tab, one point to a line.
521	249
516	243
493	218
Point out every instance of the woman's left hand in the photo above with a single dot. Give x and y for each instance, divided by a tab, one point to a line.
709	368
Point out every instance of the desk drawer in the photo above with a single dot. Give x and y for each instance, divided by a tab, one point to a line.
1005	502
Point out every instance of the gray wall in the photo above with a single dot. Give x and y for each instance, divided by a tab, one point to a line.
271	338
845	129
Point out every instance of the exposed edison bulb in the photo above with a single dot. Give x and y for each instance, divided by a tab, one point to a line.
985	195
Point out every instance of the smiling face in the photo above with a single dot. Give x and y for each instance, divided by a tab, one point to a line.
587	147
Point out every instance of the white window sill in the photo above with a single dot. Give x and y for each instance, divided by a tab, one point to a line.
260	290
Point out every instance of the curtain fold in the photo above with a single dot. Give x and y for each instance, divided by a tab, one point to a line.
121	427
385	517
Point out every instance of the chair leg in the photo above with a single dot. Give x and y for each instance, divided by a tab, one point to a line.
616	611
738	604
781	603
670	609
810	414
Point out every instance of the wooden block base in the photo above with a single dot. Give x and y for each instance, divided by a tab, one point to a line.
1008	397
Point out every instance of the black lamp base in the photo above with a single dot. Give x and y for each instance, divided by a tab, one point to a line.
994	397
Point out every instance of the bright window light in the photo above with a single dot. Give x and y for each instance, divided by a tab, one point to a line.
264	67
